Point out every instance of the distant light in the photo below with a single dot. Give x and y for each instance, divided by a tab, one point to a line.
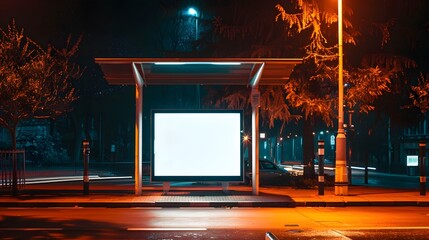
246	138
192	12
362	168
262	135
332	140
321	132
412	160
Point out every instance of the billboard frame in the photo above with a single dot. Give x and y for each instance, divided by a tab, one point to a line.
193	178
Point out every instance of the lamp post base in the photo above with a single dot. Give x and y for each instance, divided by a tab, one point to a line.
341	178
341	190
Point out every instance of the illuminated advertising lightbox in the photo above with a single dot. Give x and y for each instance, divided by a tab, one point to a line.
196	145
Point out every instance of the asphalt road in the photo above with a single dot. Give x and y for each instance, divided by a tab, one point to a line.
215	223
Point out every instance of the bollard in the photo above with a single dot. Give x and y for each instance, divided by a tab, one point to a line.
422	159
321	153
85	145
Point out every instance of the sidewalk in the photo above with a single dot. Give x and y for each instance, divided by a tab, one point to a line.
120	193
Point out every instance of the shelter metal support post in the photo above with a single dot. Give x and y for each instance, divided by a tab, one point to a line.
138	132
255	100
255	140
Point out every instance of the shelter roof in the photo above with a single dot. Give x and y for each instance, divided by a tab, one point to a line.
194	71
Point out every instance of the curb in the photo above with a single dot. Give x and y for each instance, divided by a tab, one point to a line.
94	204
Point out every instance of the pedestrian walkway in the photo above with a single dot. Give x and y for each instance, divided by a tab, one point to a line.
120	193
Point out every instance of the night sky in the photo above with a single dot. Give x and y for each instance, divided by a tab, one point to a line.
104	25
133	28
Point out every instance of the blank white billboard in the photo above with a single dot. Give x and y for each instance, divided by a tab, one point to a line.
197	145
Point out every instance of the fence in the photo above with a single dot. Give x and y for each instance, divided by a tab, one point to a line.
12	167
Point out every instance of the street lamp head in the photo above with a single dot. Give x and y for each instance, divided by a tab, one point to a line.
192	11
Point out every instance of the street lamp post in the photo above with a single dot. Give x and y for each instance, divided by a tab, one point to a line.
193	12
341	185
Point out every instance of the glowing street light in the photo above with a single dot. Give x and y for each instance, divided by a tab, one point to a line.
341	184
193	12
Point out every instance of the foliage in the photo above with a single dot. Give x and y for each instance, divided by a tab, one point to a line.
43	150
274	106
316	17
34	82
311	93
273	103
313	86
364	86
251	32
246	29
420	93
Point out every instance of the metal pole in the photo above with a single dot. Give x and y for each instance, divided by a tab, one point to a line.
422	159
350	137
341	185
366	167
255	98
138	140
321	154
14	174
138	149
196	27
85	145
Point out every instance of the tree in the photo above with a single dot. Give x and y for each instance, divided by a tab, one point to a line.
369	71
34	82
381	66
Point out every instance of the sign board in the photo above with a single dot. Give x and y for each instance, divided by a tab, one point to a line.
412	160
196	145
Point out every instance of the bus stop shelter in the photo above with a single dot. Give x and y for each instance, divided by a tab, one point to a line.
251	72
